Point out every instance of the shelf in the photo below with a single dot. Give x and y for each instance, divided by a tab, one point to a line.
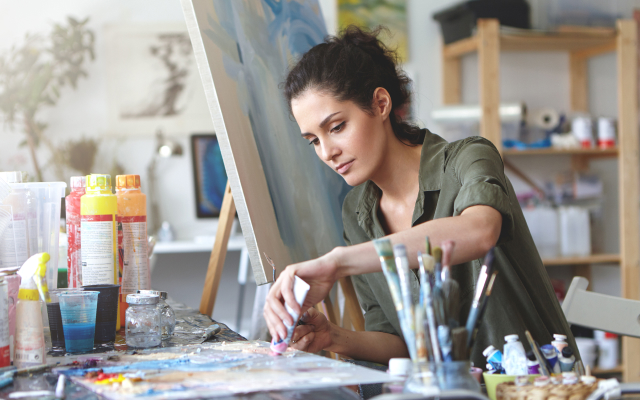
586	45
617	370
593	152
592	259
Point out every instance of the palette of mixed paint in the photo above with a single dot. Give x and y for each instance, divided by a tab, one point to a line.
211	370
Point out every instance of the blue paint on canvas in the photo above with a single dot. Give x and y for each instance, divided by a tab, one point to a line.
260	39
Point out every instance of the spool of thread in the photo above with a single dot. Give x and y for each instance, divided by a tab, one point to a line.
546	118
606	133
583	131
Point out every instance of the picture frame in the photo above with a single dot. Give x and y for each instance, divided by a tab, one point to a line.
209	174
153	81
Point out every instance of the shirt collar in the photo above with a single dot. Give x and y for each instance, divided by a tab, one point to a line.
430	178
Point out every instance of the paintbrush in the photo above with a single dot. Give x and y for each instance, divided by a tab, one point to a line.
482	308
427	263
459	343
480	289
450	288
402	265
544	368
273	265
385	252
436	293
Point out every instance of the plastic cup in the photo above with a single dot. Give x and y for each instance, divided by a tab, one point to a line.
55	318
107	314
78	311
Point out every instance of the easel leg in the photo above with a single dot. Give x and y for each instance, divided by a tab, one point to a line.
218	254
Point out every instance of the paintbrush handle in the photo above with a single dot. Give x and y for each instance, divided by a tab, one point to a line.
471	323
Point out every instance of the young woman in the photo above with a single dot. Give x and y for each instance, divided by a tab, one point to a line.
345	95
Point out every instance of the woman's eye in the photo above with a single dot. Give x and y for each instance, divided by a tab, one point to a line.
338	127
314	142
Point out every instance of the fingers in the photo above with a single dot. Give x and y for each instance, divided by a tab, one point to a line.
304	342
288	278
274	313
301	331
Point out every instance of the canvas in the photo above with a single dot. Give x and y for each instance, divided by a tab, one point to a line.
289	203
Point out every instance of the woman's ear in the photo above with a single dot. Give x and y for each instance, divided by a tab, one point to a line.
382	102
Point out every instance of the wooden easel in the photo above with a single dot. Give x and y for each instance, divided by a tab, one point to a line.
216	264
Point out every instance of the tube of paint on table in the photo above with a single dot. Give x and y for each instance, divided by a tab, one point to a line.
551	355
494	358
300	290
533	366
566	359
78	186
560	342
385	252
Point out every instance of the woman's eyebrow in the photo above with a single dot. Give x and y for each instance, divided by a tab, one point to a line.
324	121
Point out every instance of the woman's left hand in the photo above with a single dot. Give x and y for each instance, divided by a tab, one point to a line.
314	335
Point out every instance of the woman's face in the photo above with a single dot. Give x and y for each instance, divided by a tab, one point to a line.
349	140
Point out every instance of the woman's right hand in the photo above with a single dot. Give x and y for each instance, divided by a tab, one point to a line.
314	335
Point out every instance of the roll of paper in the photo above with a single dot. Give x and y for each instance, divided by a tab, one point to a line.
546	118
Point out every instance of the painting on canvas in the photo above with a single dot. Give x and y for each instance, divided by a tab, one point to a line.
153	81
372	13
289	202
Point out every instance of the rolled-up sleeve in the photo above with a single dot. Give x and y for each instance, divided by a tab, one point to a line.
480	170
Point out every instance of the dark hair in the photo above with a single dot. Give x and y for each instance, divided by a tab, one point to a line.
352	66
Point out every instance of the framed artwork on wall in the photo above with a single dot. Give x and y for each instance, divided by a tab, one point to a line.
153	81
209	175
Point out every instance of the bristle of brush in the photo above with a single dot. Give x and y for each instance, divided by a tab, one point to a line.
383	247
429	263
437	254
428	246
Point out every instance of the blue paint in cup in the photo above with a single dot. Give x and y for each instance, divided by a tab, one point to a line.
78	311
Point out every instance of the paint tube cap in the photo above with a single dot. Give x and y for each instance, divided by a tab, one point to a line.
400	366
531	356
162	295
588	379
559	337
78	182
511	338
567	352
142	299
99	182
127	182
11	176
490	349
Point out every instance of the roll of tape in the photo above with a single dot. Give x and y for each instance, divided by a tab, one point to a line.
546	118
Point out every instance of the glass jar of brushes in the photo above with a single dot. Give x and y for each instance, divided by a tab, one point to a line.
142	321
167	315
431	378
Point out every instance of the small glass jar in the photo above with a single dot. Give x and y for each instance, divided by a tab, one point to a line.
167	315
142	321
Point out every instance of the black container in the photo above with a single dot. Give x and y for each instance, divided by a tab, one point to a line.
458	22
55	325
107	312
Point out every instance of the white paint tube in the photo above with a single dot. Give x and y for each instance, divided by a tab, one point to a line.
300	290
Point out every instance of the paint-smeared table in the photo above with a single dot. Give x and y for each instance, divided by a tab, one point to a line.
190	324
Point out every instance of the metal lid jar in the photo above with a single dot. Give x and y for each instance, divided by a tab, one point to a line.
167	315
143	326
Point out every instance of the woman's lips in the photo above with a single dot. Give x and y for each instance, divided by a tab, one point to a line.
342	168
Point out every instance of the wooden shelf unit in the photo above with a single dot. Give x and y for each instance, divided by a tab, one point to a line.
489	42
592	259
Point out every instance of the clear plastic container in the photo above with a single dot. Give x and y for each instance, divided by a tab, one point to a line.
46	198
441	377
167	315
143	328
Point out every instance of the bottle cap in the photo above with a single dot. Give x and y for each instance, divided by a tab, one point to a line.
400	366
142	299
531	356
78	182
488	351
559	337
511	338
541	381
548	350
99	182
162	295
588	379
567	352
127	182
11	176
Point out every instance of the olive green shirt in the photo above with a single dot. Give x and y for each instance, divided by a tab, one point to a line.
453	177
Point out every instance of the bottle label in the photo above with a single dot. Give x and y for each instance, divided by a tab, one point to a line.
14	250
73	251
29	347
97	250
134	255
